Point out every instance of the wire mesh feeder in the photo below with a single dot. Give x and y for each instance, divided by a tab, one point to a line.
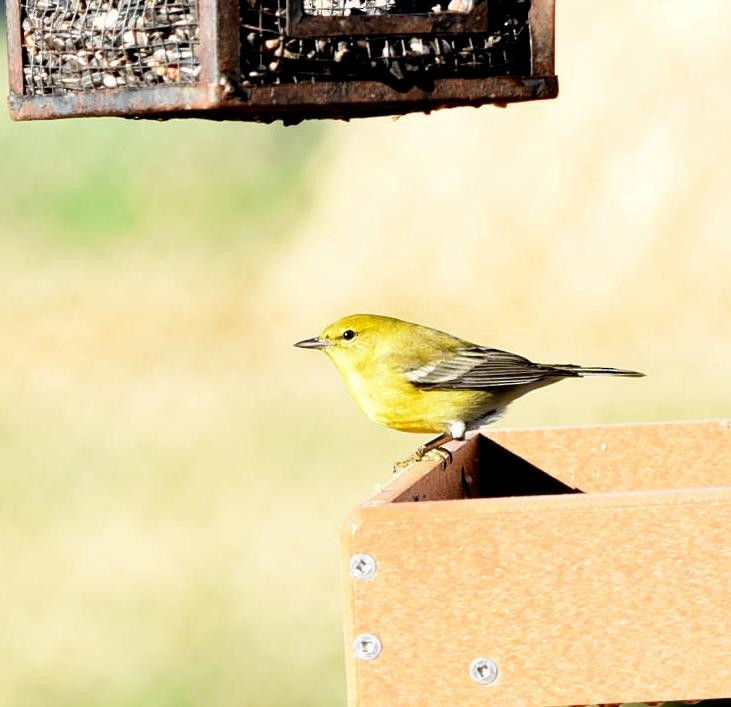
274	59
84	45
269	55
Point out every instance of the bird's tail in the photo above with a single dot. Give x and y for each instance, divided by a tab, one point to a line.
572	370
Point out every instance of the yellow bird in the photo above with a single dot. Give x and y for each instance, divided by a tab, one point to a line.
416	379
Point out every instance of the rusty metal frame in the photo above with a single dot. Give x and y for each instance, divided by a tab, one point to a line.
300	24
542	23
15	50
219	56
220	96
367	98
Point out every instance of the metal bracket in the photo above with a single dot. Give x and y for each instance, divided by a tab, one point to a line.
302	25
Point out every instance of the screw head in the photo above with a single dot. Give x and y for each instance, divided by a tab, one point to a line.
367	646
362	567
483	671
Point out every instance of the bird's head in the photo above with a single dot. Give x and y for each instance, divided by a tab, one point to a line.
355	339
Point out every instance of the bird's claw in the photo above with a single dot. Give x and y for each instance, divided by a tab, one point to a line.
443	456
438	454
403	464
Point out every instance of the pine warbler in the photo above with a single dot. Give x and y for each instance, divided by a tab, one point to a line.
416	379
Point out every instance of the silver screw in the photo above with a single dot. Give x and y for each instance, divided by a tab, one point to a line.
362	567
367	646
483	671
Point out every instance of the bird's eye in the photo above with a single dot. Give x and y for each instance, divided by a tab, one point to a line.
348	334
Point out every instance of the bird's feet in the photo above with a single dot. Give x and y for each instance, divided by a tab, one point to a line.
425	454
438	454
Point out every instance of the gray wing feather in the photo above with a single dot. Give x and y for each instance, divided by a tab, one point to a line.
478	367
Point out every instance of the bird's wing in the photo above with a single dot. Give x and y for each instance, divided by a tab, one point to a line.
475	367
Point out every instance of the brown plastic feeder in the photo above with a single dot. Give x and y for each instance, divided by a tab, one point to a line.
546	567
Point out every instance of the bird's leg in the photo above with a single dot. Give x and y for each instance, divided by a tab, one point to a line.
431	451
434	444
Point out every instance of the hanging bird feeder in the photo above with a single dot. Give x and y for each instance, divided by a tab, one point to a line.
274	59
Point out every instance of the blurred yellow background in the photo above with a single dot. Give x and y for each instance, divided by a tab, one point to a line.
173	472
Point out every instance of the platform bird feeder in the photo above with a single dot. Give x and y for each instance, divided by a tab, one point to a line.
274	59
546	567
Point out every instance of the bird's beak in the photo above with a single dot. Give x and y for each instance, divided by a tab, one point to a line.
315	343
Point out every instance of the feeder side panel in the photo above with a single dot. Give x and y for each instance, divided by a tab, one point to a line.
541	19
579	599
429	481
15	52
628	457
162	101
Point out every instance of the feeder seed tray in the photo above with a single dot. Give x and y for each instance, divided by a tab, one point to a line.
274	59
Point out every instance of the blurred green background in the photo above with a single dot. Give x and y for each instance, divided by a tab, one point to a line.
173	472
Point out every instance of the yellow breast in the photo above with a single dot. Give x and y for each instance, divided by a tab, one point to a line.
390	399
